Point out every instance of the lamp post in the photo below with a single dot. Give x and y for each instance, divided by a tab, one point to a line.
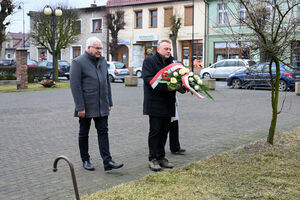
57	12
22	7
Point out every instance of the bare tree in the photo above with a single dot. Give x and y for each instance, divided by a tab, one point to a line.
272	26
66	31
175	23
115	23
7	8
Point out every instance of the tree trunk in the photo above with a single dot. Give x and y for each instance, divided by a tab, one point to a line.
274	101
174	44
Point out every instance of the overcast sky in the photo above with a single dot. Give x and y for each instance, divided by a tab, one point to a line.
35	5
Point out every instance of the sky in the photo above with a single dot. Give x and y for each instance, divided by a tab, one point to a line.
16	19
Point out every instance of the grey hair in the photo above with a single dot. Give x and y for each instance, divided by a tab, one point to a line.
162	41
90	41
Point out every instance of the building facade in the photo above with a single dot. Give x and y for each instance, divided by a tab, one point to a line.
91	22
147	22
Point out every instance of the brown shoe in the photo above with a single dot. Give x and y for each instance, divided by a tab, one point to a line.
165	163
154	165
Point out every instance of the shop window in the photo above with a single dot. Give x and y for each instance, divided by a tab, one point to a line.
188	15
76	51
139	19
231	50
168	13
222	14
97	25
153	18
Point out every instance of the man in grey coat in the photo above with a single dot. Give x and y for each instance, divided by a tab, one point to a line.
91	92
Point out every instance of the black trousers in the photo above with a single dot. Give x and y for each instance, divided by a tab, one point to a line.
101	124
158	133
174	136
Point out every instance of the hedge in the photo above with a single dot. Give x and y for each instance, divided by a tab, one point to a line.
9	73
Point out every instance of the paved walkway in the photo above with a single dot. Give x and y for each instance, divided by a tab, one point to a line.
36	127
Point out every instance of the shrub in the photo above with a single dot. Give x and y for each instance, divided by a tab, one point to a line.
7	73
35	72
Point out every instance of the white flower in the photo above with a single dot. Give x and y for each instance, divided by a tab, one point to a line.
196	87
187	70
191	73
173	80
191	79
199	82
175	74
182	71
196	77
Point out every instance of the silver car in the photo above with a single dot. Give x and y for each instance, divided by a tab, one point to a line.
117	71
223	68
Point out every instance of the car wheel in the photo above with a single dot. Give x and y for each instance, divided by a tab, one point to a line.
139	74
206	76
282	85
236	83
111	78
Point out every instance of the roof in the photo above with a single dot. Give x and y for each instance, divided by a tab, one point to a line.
18	39
115	3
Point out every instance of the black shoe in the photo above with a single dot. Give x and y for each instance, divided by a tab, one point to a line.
179	152
88	166
112	165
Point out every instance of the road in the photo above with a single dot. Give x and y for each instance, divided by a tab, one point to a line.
36	127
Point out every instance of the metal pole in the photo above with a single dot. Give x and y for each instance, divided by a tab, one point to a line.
72	173
23	27
53	45
193	37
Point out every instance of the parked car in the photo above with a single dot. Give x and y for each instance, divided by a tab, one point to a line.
138	72
223	68
117	71
63	68
32	63
8	62
258	76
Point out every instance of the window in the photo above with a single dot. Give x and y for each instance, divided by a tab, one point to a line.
77	26
138	19
243	12
168	12
97	25
76	51
222	14
153	18
188	15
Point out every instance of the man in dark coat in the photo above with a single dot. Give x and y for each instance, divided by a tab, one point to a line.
91	92
159	104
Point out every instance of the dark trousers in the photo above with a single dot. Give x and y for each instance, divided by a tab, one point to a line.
174	136
101	124
159	127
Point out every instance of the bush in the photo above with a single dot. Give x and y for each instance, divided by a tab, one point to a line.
35	72
9	73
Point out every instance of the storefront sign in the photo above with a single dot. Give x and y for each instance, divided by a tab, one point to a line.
149	37
125	42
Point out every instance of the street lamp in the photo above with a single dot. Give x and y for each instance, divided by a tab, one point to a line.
23	23
57	12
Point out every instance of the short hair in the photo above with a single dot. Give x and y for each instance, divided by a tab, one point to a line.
90	41
162	41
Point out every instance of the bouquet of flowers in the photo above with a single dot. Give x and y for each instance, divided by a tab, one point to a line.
48	83
179	78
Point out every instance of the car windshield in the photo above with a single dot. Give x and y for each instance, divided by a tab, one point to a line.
61	63
120	65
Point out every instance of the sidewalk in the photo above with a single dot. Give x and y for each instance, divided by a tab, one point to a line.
36	127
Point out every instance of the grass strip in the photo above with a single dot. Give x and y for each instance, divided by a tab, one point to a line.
254	171
33	87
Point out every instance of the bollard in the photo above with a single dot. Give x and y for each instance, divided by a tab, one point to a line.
72	173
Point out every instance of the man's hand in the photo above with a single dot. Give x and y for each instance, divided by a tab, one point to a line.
170	89
81	113
109	108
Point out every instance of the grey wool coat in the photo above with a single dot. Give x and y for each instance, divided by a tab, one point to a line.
90	86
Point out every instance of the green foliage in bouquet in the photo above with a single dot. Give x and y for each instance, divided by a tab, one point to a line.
174	82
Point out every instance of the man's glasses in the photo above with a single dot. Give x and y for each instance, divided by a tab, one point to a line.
97	48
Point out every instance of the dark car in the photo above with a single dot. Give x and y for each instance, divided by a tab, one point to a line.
63	68
8	62
258	76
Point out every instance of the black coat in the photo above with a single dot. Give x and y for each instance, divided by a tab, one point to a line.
158	102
